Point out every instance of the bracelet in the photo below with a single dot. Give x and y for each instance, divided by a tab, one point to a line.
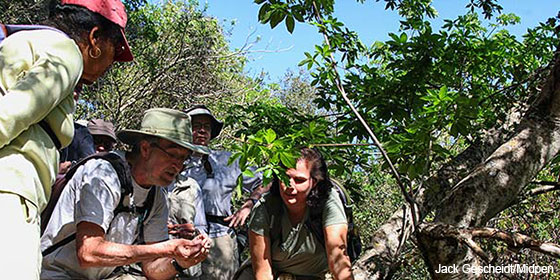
178	267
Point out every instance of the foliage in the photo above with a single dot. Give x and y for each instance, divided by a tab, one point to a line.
181	58
35	11
422	88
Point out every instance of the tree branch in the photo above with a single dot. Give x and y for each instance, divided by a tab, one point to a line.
514	241
548	187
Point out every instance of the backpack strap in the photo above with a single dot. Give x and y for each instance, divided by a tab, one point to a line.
123	172
3	32
273	205
315	221
47	128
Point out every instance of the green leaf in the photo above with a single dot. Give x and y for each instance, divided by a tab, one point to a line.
259	1
238	187
233	157
297	14
267	176
290	24
264	14
288	160
248	173
442	93
403	38
270	136
276	17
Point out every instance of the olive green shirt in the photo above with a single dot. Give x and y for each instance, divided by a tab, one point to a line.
298	251
38	72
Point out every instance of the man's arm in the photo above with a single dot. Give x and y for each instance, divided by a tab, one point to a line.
335	245
240	216
94	251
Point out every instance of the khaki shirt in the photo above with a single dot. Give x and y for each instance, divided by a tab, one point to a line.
38	72
298	251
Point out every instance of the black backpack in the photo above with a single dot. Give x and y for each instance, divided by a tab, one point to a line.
314	223
125	179
7	30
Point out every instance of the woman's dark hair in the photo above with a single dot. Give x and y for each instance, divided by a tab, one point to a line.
75	21
319	172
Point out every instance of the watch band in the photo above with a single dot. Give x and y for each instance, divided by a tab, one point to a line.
253	200
178	267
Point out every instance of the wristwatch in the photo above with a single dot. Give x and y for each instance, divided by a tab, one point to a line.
254	200
178	267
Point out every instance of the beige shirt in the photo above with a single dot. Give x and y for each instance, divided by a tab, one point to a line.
38	72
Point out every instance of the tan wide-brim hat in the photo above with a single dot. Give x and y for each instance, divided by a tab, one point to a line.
168	124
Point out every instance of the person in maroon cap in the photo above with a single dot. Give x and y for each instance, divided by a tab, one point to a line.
40	67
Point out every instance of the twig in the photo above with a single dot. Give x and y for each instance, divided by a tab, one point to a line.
340	88
342	144
548	187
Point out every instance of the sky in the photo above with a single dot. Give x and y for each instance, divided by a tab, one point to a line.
278	51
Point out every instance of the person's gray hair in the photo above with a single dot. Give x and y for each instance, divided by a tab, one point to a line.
135	150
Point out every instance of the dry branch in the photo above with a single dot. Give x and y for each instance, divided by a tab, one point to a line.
514	240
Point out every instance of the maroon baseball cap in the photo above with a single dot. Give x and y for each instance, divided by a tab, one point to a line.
114	11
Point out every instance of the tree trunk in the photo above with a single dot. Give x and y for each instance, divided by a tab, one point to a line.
496	184
475	186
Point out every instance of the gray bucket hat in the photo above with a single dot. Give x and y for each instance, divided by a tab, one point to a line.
101	127
168	124
202	110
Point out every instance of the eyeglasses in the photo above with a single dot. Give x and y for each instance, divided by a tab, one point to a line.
173	156
206	126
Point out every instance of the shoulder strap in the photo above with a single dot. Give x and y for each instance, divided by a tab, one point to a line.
273	205
59	186
315	221
9	29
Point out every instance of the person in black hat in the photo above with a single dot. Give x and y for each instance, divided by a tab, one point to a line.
217	180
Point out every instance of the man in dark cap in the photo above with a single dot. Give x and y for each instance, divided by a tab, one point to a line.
103	132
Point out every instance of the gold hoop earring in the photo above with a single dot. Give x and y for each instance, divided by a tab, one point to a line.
97	53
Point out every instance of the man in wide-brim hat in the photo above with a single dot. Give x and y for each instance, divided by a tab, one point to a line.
104	239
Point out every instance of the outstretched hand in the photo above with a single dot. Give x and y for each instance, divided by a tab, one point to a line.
238	218
191	257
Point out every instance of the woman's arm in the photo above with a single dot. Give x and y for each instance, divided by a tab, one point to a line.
335	244
260	256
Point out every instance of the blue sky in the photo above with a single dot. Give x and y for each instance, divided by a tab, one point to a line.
277	51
